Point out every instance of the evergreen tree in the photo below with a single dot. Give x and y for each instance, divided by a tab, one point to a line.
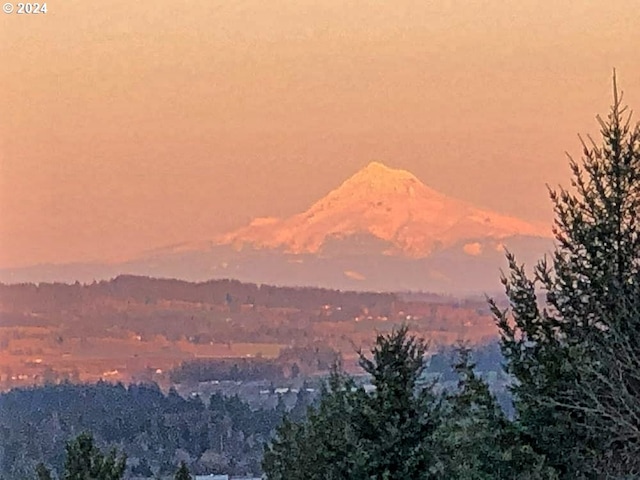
303	402
609	392
183	472
323	446
85	461
475	440
397	420
561	352
351	434
42	472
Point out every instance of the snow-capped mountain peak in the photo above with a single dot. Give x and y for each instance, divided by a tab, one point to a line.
389	204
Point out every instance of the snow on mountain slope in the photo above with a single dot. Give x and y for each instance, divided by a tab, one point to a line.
389	204
382	229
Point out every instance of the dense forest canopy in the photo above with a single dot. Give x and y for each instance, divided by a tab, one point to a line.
221	435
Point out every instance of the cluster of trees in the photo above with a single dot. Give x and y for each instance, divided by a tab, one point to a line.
404	428
84	460
576	356
571	341
290	363
235	369
155	431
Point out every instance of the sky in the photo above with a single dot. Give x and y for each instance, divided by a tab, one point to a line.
126	126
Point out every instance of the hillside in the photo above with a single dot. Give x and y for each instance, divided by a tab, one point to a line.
138	328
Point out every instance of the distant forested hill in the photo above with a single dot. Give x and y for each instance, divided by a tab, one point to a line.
134	329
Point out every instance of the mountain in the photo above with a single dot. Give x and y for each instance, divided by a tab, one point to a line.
382	229
388	204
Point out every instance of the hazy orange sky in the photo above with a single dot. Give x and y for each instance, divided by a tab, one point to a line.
130	125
